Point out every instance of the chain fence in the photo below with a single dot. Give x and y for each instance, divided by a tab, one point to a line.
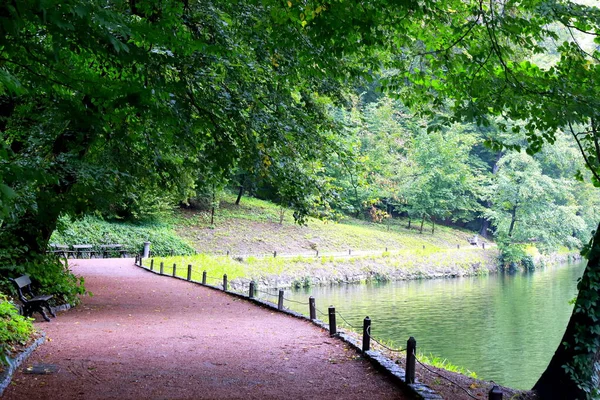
184	270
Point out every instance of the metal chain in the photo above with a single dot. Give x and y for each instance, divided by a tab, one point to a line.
321	312
295	301
345	320
446	378
383	345
267	293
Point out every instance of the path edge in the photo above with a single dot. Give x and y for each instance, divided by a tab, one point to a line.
14	363
378	360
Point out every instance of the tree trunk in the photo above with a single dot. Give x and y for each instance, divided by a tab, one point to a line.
422	222
239	196
409	221
241	191
485	226
513	219
574	371
432	225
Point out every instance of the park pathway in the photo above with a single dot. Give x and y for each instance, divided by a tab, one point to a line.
142	336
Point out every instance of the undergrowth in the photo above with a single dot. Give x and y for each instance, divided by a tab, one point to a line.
97	232
14	329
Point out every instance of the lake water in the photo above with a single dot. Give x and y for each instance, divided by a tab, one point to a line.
503	327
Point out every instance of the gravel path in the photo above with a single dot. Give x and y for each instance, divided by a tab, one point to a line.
145	336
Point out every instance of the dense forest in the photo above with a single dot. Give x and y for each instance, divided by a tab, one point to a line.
444	111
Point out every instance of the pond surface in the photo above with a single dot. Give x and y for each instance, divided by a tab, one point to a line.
503	327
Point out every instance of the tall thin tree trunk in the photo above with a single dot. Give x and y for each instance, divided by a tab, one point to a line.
513	219
422	222
574	371
240	191
212	210
409	221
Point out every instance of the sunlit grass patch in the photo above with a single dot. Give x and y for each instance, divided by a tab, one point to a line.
443	363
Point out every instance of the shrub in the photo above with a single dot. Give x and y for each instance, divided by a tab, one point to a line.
14	328
97	232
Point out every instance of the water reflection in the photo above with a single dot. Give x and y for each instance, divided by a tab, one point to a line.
504	327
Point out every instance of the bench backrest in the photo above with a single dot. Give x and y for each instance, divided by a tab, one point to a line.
22	282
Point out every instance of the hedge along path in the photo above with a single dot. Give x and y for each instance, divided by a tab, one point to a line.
146	336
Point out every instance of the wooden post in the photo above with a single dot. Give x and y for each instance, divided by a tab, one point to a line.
366	334
152	264
174	269
349	252
280	300
317	253
411	349
275	254
225	282
162	267
251	291
172	253
483	245
312	308
227	253
332	324
204	277
495	393
458	246
189	277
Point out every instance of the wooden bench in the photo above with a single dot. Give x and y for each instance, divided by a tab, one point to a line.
31	302
112	249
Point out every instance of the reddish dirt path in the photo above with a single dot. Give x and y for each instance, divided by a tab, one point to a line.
146	336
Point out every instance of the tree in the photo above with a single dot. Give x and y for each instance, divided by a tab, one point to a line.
529	206
442	179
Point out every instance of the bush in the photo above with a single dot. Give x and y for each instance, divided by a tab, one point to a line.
14	328
97	232
48	273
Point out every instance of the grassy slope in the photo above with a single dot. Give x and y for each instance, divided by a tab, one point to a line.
252	229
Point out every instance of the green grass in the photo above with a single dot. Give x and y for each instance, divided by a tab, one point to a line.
443	363
253	227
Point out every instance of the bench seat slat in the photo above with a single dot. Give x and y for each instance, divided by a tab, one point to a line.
41	298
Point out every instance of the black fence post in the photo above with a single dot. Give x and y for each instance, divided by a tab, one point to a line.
152	264
204	277
411	349
189	277
366	334
349	252
312	308
174	269
280	300
225	282
162	267
332	324
495	393
275	254
251	290
317	253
